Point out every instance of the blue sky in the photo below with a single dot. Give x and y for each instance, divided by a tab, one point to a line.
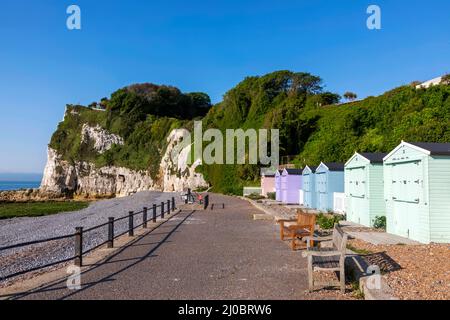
198	46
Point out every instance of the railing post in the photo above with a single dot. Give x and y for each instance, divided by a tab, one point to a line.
79	246
154	213
131	224
173	203
206	201
162	210
144	218
111	232
168	207
188	196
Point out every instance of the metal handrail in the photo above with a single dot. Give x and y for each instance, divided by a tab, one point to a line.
29	243
96	227
79	235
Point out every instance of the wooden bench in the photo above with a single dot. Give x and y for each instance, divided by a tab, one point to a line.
330	259
302	227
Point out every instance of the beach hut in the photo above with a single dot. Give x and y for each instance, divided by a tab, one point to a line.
364	196
267	183
291	183
329	178
417	191
309	187
278	185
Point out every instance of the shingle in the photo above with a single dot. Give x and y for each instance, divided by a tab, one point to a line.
376	157
334	166
441	149
295	172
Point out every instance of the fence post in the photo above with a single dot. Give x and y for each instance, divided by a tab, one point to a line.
131	224
162	210
111	232
79	246
168	207
206	203
154	213
144	218
173	203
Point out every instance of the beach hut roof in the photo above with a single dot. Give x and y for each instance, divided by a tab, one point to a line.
294	172
334	166
439	149
429	148
312	168
376	157
269	173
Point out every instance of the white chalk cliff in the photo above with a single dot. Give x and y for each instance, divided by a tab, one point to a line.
176	171
103	141
85	179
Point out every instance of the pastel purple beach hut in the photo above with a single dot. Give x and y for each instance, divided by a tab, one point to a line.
291	183
278	185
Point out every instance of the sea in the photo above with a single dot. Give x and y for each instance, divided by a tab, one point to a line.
17	185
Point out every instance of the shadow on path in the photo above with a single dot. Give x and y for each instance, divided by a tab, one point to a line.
61	284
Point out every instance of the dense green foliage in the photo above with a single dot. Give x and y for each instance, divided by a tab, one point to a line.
313	128
37	209
142	114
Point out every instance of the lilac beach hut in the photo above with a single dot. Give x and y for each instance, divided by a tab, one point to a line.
291	183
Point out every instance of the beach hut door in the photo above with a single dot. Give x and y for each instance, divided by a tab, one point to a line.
322	191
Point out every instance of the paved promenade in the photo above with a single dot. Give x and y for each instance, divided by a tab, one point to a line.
212	254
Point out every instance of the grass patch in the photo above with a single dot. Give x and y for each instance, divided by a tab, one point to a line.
355	287
356	290
37	209
255	196
358	251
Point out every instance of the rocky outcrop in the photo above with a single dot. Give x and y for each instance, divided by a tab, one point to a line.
102	139
177	173
84	179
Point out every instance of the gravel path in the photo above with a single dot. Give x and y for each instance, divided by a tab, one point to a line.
21	230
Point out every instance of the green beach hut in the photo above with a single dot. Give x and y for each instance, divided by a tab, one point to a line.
364	196
417	191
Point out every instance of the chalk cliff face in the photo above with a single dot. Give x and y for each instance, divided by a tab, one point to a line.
103	140
86	180
177	173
